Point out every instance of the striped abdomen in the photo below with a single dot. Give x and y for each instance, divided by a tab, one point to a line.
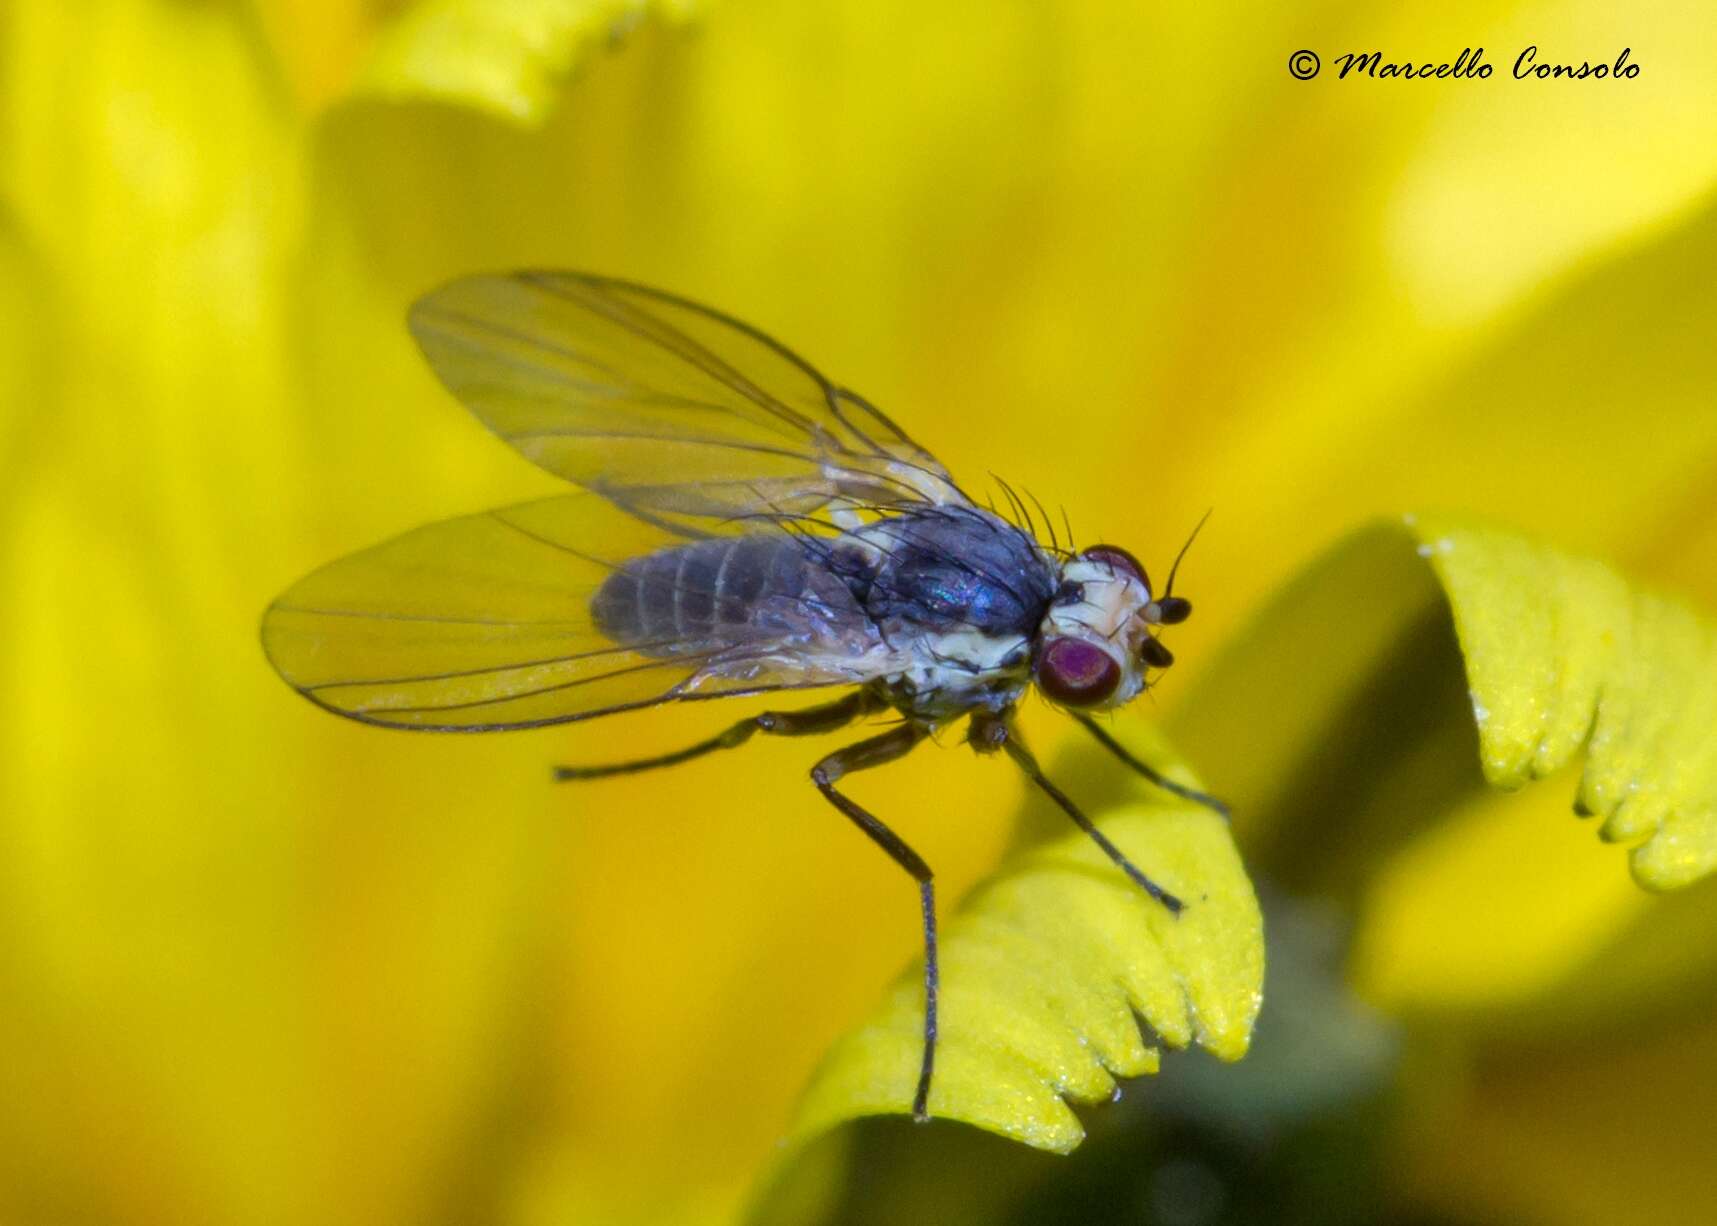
727	591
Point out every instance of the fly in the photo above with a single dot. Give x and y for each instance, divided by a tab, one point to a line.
742	526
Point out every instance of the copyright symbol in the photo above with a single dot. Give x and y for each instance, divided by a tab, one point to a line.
1304	65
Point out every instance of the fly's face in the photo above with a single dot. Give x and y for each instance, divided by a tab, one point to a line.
1098	637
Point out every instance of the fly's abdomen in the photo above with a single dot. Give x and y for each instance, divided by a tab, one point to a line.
730	591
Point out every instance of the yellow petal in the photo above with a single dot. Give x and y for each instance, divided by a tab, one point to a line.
22	339
1562	655
507	57
202	955
1043	971
319	44
1350	739
1512	936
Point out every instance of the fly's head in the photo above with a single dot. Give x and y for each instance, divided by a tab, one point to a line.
1098	637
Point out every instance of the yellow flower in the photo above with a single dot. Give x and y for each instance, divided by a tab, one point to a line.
261	965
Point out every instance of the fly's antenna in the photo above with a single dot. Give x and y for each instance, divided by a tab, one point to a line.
1169	590
1048	523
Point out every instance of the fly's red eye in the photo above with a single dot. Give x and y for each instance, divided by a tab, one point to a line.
1076	673
1118	560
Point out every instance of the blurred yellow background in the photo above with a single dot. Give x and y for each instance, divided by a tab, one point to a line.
261	965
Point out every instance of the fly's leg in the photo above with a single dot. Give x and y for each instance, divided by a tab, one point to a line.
811	720
1168	785
1019	753
825	774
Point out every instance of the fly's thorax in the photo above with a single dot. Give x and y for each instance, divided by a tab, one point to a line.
944	571
953	673
1100	608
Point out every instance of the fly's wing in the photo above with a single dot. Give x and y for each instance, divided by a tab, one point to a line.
484	623
676	413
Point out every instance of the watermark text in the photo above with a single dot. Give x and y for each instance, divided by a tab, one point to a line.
1470	65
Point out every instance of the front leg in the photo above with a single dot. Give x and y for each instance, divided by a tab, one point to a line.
1157	777
998	731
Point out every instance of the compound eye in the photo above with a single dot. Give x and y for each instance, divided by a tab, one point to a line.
1117	560
1154	654
1173	610
1076	673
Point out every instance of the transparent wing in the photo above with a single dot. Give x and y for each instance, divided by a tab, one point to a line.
484	623
675	412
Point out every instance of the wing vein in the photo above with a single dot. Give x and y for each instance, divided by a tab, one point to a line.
417	678
670	338
645	666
